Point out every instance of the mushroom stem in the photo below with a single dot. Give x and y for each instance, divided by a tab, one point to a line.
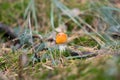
62	47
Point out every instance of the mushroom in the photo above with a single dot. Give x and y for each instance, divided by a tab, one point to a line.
61	40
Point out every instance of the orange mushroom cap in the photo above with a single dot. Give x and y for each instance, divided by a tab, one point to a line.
61	38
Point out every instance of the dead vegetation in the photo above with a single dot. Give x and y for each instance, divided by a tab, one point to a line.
28	45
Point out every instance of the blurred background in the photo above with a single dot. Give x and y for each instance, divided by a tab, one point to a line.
92	26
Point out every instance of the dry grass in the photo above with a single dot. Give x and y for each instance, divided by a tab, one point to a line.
89	25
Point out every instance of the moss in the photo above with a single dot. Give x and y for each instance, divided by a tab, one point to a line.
71	77
89	19
84	41
77	4
12	10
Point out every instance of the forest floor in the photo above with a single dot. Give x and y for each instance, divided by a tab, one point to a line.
28	49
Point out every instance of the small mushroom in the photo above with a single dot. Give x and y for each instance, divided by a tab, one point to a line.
61	40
